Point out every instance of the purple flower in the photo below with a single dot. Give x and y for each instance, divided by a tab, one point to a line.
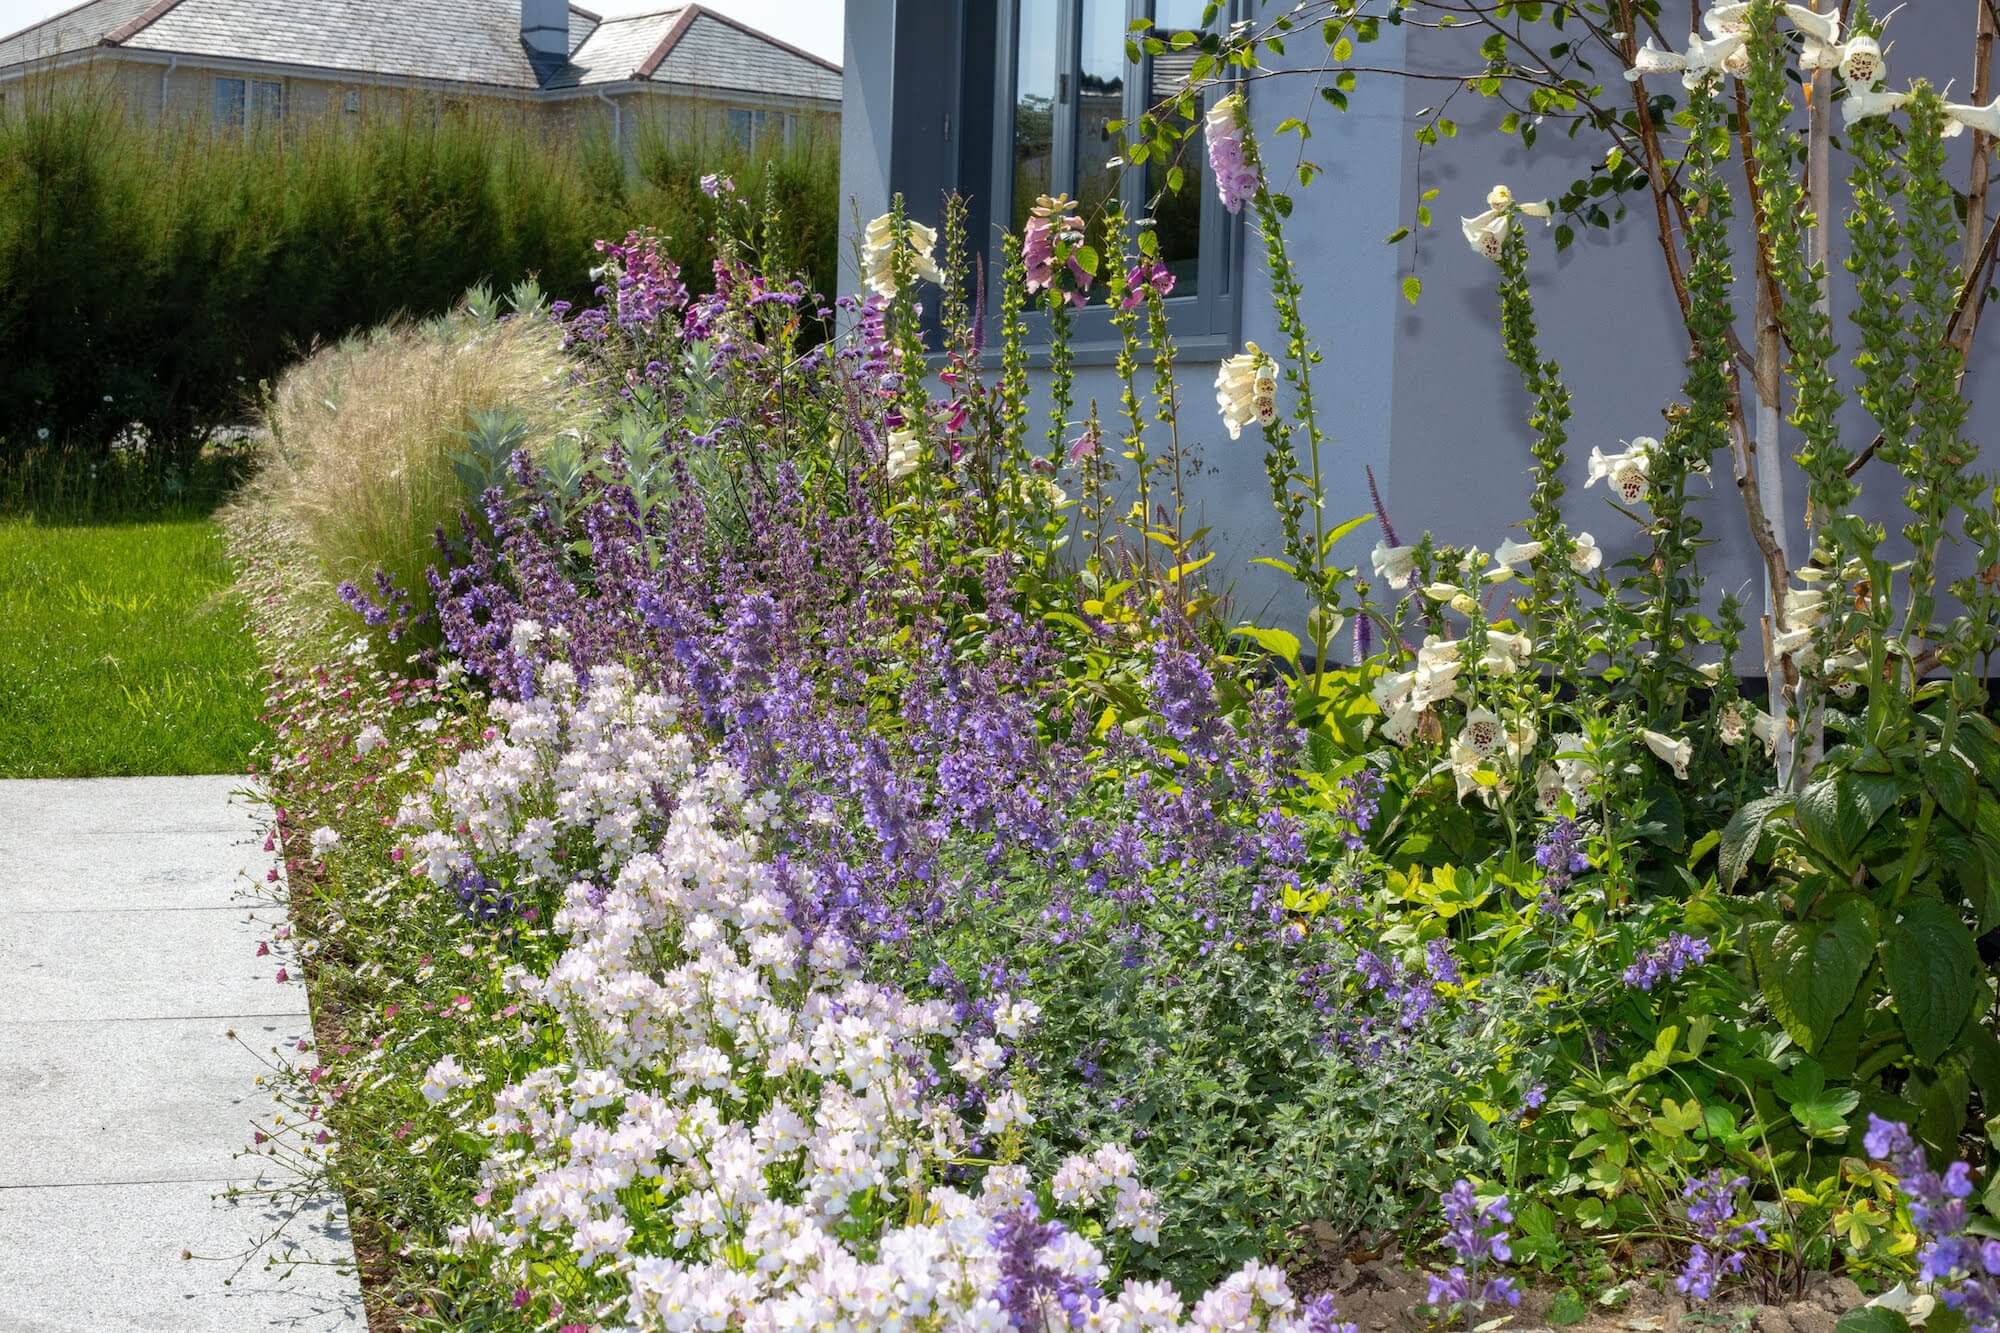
1712	1206
1666	961
1559	856
1965	1268
1477	1238
1148	275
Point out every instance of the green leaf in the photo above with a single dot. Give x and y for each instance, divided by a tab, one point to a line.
1931	965
1872	1319
1809	970
1834	816
1950	781
1740	838
1413	287
1279	643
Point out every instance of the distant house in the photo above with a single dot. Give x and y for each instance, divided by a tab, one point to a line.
246	61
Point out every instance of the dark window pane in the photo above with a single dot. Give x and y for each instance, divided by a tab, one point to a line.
1035	66
1100	101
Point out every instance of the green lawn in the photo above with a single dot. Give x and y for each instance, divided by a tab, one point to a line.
122	651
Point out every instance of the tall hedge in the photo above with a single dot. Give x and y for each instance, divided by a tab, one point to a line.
152	275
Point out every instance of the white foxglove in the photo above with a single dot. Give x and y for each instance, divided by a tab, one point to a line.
1627	471
1675	753
1246	390
1979	119
901	459
1866	104
878	253
1861	63
1510	554
1394	565
1584	556
1486	233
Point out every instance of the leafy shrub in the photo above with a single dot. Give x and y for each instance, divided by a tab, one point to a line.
153	275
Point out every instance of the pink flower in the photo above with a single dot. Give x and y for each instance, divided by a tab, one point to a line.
1147	275
283	976
1236	177
520	1298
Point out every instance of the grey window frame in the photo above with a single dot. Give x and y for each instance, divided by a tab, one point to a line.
249	106
1204	325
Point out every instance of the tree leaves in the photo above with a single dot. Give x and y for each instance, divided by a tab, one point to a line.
1931	965
1809	970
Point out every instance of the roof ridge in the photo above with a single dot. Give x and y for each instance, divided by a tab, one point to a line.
125	32
682	22
45	22
697	10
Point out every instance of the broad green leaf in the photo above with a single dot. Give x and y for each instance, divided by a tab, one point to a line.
1809	969
1950	781
1280	643
1740	838
1872	1319
1834	817
1931	965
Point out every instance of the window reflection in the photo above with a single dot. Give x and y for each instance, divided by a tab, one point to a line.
1100	101
1177	215
1035	66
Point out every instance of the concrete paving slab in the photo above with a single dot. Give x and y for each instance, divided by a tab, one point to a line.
130	965
62	808
125	957
99	1103
111	872
108	1258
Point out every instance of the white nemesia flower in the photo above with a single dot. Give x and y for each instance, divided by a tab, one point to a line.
1246	389
446	1077
1394	564
1675	753
369	739
1584	556
324	840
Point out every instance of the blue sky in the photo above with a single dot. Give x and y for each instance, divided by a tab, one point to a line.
813	24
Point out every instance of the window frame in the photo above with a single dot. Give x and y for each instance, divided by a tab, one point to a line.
248	105
1205	324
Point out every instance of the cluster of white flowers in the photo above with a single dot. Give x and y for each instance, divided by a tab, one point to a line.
1859	60
744	1132
585	763
878	253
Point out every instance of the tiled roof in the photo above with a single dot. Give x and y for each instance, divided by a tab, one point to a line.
72	30
453	41
614	53
715	52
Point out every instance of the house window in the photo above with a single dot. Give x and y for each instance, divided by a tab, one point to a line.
241	102
748	127
1063	80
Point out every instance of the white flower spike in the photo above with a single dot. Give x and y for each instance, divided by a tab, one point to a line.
878	262
1246	390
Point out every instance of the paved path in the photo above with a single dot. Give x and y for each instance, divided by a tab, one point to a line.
126	954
